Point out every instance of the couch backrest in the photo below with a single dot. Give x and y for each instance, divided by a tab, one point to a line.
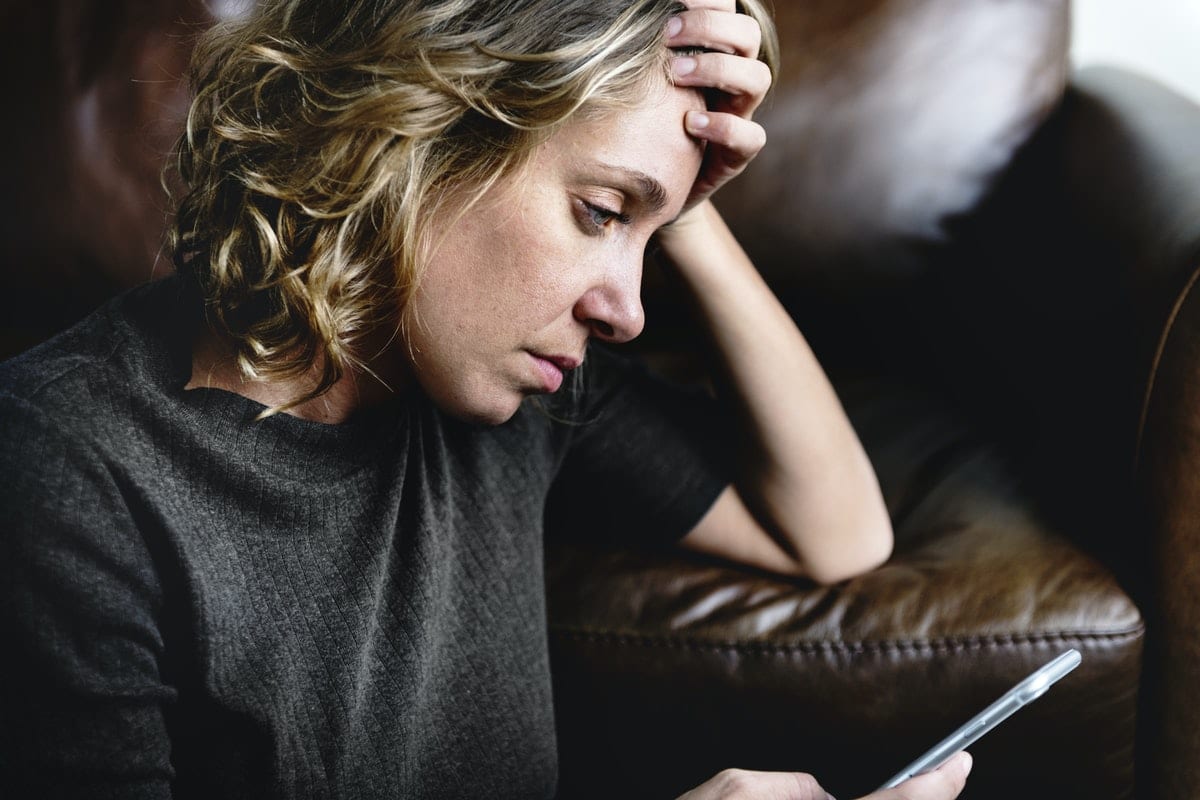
890	116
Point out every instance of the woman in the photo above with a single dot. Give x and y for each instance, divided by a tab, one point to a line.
275	524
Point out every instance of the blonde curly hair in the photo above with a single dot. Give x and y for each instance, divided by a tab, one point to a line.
324	136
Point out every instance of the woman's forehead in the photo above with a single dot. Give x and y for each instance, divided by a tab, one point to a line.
645	140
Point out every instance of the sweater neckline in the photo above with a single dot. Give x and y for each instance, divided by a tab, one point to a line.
172	313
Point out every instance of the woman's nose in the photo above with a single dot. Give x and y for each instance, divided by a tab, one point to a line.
612	308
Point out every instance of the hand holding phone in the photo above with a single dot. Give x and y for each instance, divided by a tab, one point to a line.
1023	693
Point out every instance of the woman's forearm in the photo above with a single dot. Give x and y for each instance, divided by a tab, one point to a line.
804	473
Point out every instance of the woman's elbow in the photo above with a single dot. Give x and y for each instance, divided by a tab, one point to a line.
868	548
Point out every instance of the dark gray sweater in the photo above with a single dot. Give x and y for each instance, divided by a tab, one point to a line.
195	604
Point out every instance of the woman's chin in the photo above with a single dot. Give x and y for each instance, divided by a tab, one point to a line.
493	408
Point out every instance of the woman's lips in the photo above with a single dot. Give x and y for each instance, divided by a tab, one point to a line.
550	369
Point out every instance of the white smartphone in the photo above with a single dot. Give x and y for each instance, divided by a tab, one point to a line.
1024	692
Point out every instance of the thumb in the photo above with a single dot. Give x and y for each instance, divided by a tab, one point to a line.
943	783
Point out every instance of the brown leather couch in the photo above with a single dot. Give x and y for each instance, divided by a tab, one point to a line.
995	260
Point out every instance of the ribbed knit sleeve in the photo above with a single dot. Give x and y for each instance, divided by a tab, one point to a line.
647	458
82	699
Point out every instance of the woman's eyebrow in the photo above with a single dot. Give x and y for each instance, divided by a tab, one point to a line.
648	191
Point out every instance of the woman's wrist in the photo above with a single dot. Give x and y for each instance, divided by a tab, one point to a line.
692	223
701	250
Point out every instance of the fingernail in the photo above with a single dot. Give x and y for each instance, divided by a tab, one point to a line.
674	26
697	120
967	762
684	65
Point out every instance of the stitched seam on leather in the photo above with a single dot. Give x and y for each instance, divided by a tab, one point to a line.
951	643
1168	327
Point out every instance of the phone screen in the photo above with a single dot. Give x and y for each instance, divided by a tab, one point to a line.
1023	693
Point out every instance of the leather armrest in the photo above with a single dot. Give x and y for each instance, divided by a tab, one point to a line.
1089	254
1063	287
1168	463
1150	202
1130	155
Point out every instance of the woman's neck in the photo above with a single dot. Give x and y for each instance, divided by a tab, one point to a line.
214	366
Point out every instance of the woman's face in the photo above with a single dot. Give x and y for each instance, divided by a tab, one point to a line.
549	258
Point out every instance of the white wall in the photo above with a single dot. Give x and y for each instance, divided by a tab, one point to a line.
1160	38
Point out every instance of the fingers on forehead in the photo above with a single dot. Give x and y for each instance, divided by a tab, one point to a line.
715	31
737	135
729	74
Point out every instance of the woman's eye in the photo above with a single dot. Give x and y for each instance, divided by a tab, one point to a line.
597	217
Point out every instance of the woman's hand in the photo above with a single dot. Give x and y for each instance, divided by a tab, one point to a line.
740	82
944	783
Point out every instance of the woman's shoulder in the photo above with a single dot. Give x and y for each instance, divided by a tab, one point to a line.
124	346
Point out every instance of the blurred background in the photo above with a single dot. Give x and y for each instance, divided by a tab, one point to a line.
1159	38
